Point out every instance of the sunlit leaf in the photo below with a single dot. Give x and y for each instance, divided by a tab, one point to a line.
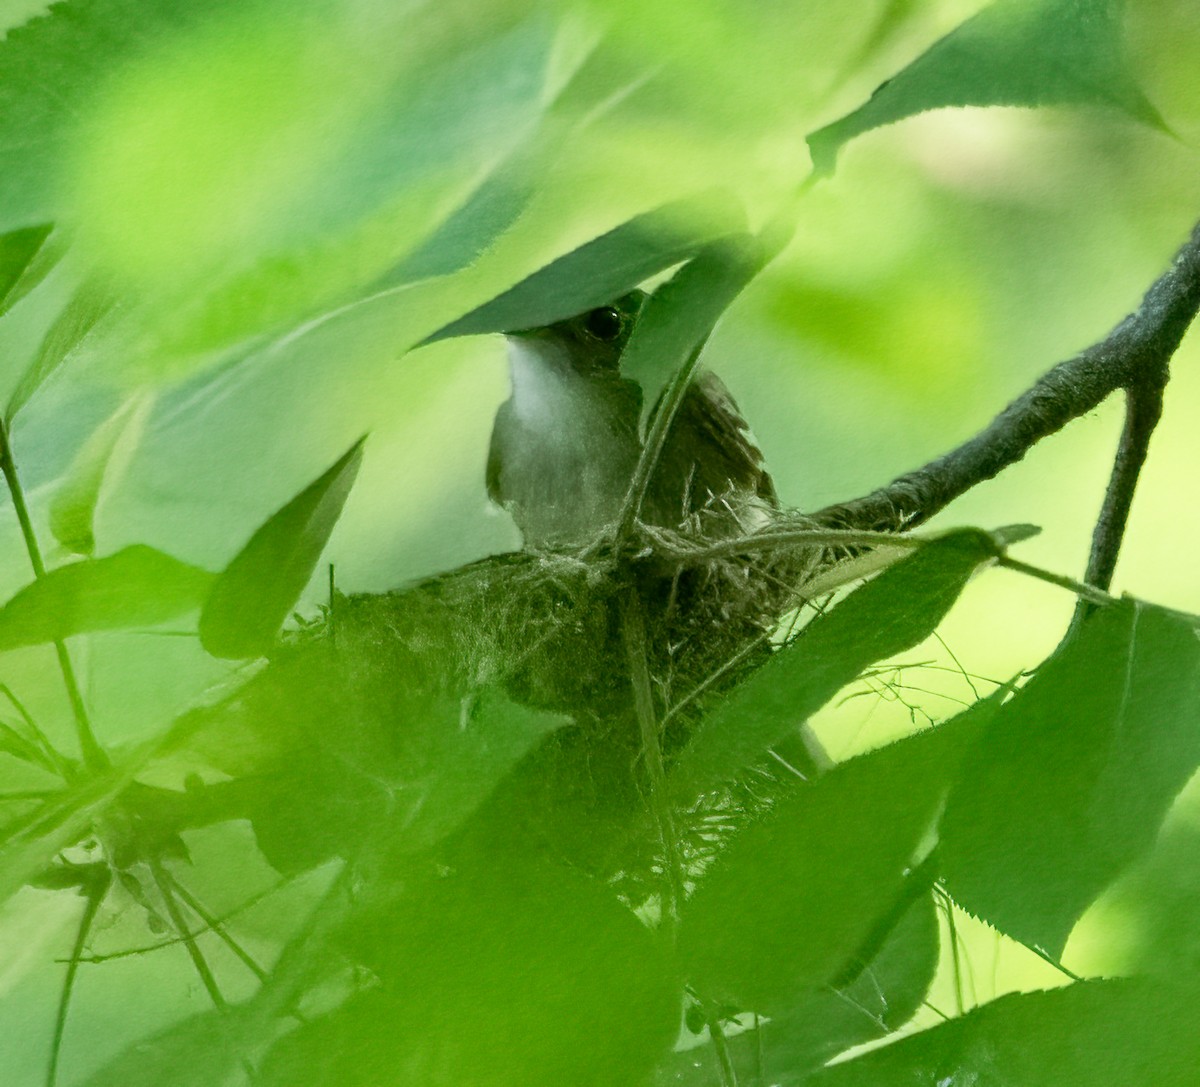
1013	53
894	612
136	587
1091	1034
1076	774
681	314
248	177
80	316
604	268
790	902
255	592
73	507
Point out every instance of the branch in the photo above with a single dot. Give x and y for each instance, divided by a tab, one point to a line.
1134	357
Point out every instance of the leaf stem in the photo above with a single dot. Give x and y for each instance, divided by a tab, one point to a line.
94	756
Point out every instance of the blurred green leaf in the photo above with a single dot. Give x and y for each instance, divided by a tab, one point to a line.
604	268
251	176
486	213
255	592
790	902
1013	53
680	316
1090	1034
73	507
136	587
29	844
496	970
50	69
20	268
1076	774
201	1051
72	326
895	611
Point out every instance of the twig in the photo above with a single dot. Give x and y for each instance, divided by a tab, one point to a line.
1143	408
1133	356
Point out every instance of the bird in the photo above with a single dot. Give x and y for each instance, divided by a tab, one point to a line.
565	443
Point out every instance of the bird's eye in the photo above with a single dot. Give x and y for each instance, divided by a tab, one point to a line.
604	323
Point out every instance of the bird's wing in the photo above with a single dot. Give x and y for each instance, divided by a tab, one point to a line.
710	431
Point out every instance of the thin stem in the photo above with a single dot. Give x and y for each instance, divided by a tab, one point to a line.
163	881
214	924
95	896
1084	592
94	756
633	629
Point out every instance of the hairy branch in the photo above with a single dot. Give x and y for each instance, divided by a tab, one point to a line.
1133	357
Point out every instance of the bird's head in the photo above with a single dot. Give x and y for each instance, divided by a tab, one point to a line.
592	341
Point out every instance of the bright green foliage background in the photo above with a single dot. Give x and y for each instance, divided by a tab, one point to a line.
279	227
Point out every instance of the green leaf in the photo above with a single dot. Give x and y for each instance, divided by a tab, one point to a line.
201	1051
31	843
494	969
1013	53
821	1023
604	268
486	214
1090	1034
275	167
255	592
790	902
680	316
69	330
892	613
73	507
1076	774
20	268
136	587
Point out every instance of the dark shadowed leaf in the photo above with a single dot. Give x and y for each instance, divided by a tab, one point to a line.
1091	1034
890	614
73	507
681	314
821	1023
136	587
255	592
1013	53
1076	773
791	901
80	316
604	268
23	262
